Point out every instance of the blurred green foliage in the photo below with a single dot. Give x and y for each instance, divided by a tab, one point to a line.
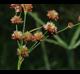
54	55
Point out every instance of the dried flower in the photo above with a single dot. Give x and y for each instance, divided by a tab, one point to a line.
27	36
17	7
70	25
23	51
27	7
38	36
17	35
52	14
50	27
16	20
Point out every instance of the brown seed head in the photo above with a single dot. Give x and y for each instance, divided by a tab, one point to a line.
27	7
50	27
38	36
52	14
27	36
70	25
17	35
16	20
17	7
24	51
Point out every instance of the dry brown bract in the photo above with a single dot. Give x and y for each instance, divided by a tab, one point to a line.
16	20
52	14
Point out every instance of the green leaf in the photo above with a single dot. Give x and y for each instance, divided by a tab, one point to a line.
60	41
75	37
76	44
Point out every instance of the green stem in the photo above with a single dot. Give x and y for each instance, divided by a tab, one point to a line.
20	60
25	13
35	29
45	56
16	28
70	56
62	30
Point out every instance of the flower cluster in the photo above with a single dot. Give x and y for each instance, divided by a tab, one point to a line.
22	7
23	37
26	36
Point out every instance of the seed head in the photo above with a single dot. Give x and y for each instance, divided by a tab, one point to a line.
16	20
23	52
50	27
17	7
52	14
70	25
38	36
27	7
27	36
17	35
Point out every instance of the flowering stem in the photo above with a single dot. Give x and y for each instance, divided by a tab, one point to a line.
20	60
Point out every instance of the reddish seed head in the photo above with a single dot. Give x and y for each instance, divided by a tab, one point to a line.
16	20
38	36
50	27
27	36
17	35
27	7
52	14
17	7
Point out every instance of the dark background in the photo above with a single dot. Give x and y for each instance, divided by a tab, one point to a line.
56	55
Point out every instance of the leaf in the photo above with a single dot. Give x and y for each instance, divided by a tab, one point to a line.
60	41
76	44
75	37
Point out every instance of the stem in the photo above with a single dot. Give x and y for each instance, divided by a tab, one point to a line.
16	28
25	13
45	56
62	30
20	60
67	28
35	29
70	56
33	46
